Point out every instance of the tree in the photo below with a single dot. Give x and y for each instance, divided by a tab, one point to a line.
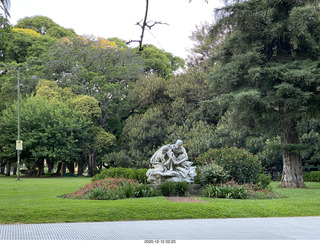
30	73
26	43
44	26
99	140
95	67
204	47
159	62
5	28
266	70
50	130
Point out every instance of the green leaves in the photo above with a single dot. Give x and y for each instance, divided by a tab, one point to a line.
159	62
49	130
239	163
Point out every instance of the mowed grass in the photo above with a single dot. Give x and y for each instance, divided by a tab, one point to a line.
34	200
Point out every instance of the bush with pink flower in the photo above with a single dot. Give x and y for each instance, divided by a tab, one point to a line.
239	163
112	189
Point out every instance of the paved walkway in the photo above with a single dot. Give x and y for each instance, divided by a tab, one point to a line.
298	228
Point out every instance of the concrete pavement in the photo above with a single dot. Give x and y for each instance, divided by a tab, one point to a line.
295	228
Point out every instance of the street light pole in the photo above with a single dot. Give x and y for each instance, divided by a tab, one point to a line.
18	149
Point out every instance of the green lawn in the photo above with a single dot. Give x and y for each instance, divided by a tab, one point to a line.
33	200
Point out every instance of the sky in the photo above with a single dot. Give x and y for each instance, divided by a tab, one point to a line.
118	18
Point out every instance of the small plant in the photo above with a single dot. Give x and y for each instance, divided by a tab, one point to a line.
97	193
169	188
263	181
181	188
127	190
212	174
144	191
228	190
233	190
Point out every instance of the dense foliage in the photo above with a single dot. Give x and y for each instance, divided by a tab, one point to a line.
211	174
251	81
233	190
266	71
169	188
239	163
128	173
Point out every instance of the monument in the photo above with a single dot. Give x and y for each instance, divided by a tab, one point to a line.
171	163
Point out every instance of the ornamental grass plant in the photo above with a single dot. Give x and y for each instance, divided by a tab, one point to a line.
233	190
169	188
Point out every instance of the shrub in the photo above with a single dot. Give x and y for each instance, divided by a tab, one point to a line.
181	188
315	176
233	190
312	176
105	189
144	191
97	193
128	173
169	188
306	176
212	174
112	189
263	181
240	163
229	191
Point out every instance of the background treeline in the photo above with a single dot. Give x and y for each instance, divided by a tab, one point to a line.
97	102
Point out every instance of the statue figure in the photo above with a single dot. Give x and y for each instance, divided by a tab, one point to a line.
170	163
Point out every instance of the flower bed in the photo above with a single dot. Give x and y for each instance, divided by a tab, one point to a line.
112	189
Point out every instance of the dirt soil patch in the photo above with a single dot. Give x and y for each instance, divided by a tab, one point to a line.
184	199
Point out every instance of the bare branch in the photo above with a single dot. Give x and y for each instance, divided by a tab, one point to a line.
156	23
207	1
5	6
143	24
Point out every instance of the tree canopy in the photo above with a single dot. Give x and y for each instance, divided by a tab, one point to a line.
266	70
251	81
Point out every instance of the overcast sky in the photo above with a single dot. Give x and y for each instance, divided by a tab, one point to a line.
117	18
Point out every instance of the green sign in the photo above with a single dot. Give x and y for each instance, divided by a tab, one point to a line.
18	145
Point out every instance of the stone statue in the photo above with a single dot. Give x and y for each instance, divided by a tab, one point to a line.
170	163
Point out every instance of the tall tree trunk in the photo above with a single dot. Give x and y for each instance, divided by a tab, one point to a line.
32	170
70	167
92	162
50	163
2	167
40	165
8	168
58	172
292	174
81	164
